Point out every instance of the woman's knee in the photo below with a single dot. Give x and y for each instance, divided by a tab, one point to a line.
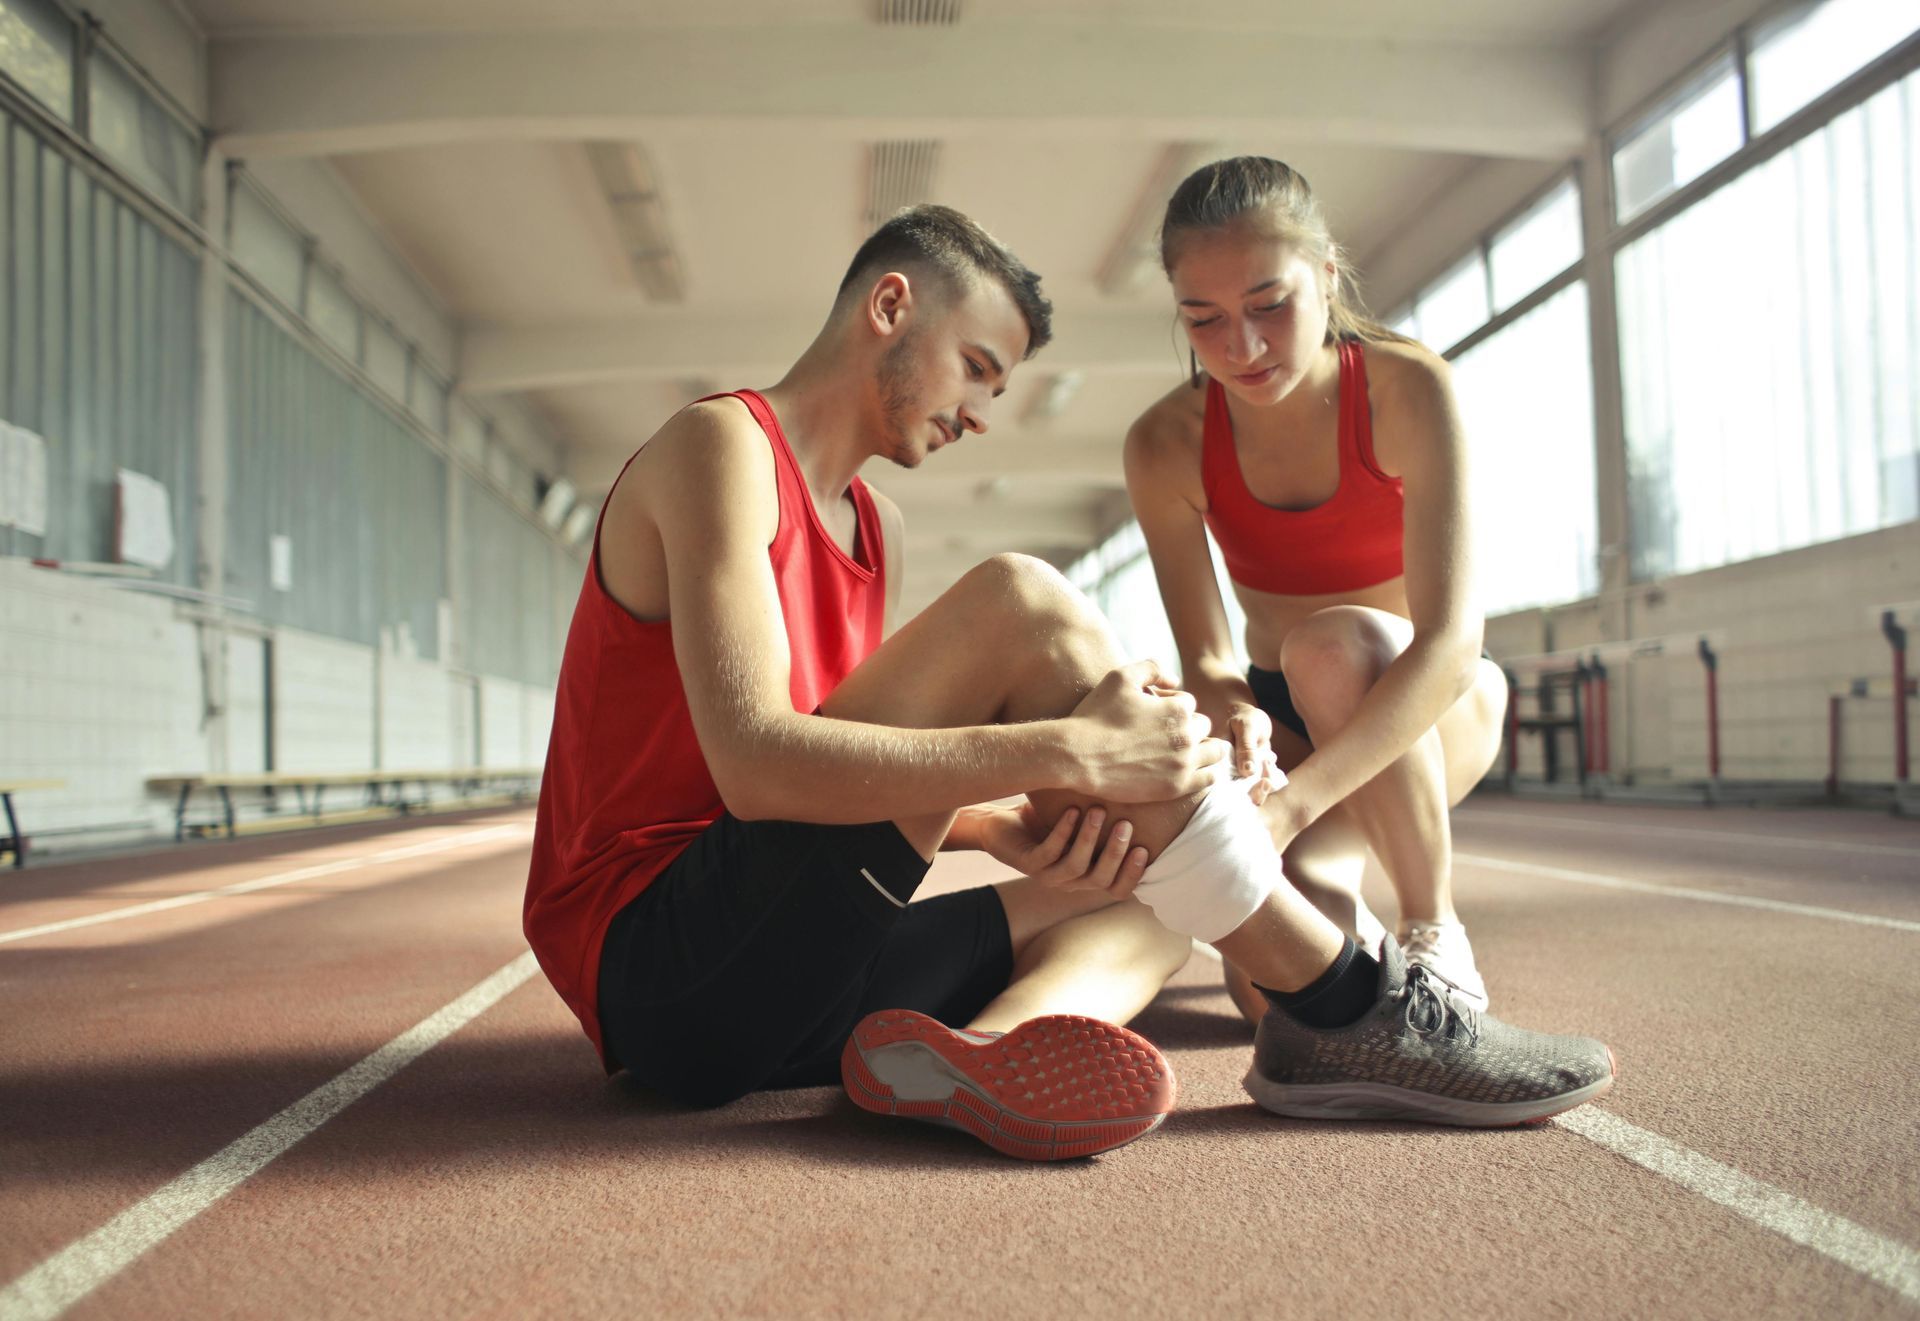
1332	658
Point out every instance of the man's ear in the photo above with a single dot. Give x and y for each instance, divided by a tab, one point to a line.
888	304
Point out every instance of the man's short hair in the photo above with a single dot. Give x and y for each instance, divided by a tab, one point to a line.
960	252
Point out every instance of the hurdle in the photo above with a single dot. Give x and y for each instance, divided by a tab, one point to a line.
1586	674
1894	687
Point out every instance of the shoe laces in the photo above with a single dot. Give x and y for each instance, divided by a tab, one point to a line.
1431	1009
1423	938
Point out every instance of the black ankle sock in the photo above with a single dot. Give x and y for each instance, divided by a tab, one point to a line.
1337	997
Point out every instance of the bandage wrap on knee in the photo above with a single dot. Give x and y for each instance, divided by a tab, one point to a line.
1217	871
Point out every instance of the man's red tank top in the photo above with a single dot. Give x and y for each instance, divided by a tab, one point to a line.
626	788
1352	541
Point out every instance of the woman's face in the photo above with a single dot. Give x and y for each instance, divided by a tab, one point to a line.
1255	309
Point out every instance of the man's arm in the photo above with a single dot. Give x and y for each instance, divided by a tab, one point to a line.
709	491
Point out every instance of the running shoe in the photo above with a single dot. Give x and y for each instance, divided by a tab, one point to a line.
1052	1088
1422	1053
1442	949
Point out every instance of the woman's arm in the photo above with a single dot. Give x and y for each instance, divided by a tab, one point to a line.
1162	482
1426	446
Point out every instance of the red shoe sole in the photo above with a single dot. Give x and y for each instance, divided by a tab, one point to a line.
1051	1089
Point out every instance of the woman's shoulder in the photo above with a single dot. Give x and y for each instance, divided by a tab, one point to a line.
1403	373
1171	426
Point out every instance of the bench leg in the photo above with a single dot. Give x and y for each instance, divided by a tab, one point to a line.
226	806
13	832
180	814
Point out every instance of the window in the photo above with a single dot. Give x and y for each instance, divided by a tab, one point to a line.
1538	246
1455	305
1770	356
266	246
36	51
468	433
1813	46
386	358
332	312
1695	131
427	398
1526	398
138	134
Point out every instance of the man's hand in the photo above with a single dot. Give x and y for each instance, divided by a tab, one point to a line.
1063	857
1143	741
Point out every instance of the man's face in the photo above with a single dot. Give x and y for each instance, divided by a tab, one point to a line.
953	357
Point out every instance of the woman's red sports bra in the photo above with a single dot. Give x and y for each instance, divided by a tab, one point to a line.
1350	542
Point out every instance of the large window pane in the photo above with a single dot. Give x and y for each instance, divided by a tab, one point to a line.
1536	247
333	313
386	359
36	51
262	243
1526	397
1694	132
1770	350
138	134
1814	46
1455	305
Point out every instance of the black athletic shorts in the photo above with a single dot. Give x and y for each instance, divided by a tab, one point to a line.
1270	694
748	962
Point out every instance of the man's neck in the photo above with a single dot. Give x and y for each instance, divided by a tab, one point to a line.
821	405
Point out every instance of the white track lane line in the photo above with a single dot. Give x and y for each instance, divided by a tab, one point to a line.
84	1265
264	883
1677	832
1682	892
1854	1246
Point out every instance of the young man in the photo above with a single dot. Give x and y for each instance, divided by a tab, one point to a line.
745	785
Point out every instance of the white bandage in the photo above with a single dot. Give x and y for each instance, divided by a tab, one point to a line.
1218	870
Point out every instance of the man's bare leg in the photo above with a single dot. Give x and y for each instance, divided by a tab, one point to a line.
1013	641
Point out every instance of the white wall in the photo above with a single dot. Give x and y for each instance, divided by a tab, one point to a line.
502	723
99	687
246	723
323	697
416	715
1794	626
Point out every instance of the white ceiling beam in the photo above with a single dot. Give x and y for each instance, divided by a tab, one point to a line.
496	360
334	95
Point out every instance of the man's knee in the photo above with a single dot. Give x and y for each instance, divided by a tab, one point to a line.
1027	588
1332	658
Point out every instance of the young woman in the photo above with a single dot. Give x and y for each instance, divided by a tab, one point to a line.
1326	456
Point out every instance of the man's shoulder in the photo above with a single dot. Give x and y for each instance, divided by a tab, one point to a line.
708	449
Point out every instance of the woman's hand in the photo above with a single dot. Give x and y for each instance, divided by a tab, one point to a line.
1063	856
1250	731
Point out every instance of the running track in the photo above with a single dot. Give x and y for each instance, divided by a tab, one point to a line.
309	1075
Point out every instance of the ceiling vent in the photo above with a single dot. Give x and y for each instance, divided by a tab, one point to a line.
899	174
919	13
639	218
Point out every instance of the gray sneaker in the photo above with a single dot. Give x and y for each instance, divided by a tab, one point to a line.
1423	1053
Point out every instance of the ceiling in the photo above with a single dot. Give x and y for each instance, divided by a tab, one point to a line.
463	130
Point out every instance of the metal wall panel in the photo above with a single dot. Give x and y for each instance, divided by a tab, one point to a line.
97	327
360	496
506	590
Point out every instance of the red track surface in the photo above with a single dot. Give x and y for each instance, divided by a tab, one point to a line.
499	1174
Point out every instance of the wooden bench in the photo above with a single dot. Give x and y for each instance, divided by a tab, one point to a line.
384	788
14	839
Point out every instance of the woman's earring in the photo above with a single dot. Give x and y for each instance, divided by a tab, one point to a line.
1193	369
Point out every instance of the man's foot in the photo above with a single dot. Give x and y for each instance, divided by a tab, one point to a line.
1053	1087
1422	1054
1442	949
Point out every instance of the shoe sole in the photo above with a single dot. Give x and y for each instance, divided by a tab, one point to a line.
1053	1088
1368	1100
